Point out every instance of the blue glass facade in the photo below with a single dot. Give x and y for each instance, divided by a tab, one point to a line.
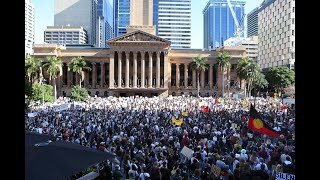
219	24
156	14
121	16
105	12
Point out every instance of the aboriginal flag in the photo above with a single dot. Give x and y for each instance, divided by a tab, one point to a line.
257	124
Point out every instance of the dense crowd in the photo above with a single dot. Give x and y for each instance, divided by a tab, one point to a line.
148	145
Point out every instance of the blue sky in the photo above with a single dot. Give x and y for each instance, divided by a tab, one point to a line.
44	14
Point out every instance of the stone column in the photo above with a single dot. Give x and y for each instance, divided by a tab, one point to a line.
186	75
111	70
158	70
202	79
103	73
167	71
127	69
150	70
142	68
135	75
71	79
177	75
86	79
77	78
211	76
194	78
94	74
119	68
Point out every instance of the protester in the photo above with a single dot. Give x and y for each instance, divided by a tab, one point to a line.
142	134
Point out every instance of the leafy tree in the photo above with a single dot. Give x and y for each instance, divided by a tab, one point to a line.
223	61
260	81
42	91
53	67
199	64
27	88
79	94
78	65
32	67
280	77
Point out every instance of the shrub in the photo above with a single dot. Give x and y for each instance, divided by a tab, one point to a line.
79	94
38	91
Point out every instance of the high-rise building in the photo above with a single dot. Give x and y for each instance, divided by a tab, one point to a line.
218	22
276	32
174	22
252	23
104	22
78	13
65	35
121	13
121	16
29	26
251	45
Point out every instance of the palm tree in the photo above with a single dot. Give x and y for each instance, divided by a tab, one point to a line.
33	67
198	64
242	71
78	65
53	67
254	73
223	61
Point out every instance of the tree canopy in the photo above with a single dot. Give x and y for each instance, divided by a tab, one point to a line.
280	77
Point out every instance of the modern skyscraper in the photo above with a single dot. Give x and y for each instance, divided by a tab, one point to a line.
121	16
174	22
29	26
252	23
104	22
218	22
65	35
78	13
276	32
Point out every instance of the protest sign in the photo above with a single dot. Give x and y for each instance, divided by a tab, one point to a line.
285	176
187	152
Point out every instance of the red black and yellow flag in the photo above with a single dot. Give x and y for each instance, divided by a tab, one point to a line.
257	124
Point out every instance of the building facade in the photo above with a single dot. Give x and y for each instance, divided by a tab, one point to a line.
104	22
174	22
251	46
277	34
65	35
252	23
218	22
29	27
121	16
141	63
78	13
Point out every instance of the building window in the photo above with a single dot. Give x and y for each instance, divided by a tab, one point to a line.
292	33
292	9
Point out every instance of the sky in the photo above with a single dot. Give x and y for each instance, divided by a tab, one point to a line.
44	16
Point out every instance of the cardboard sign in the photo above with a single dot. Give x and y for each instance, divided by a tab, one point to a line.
170	150
187	152
215	170
285	176
234	125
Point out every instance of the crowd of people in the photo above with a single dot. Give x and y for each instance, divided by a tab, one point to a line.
148	145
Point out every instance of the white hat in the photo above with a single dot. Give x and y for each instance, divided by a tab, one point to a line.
237	155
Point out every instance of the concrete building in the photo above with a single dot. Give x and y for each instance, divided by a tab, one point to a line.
174	22
65	35
104	22
277	33
251	45
140	63
29	27
252	23
78	13
218	22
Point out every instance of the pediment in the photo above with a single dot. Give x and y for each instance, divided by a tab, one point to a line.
138	36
